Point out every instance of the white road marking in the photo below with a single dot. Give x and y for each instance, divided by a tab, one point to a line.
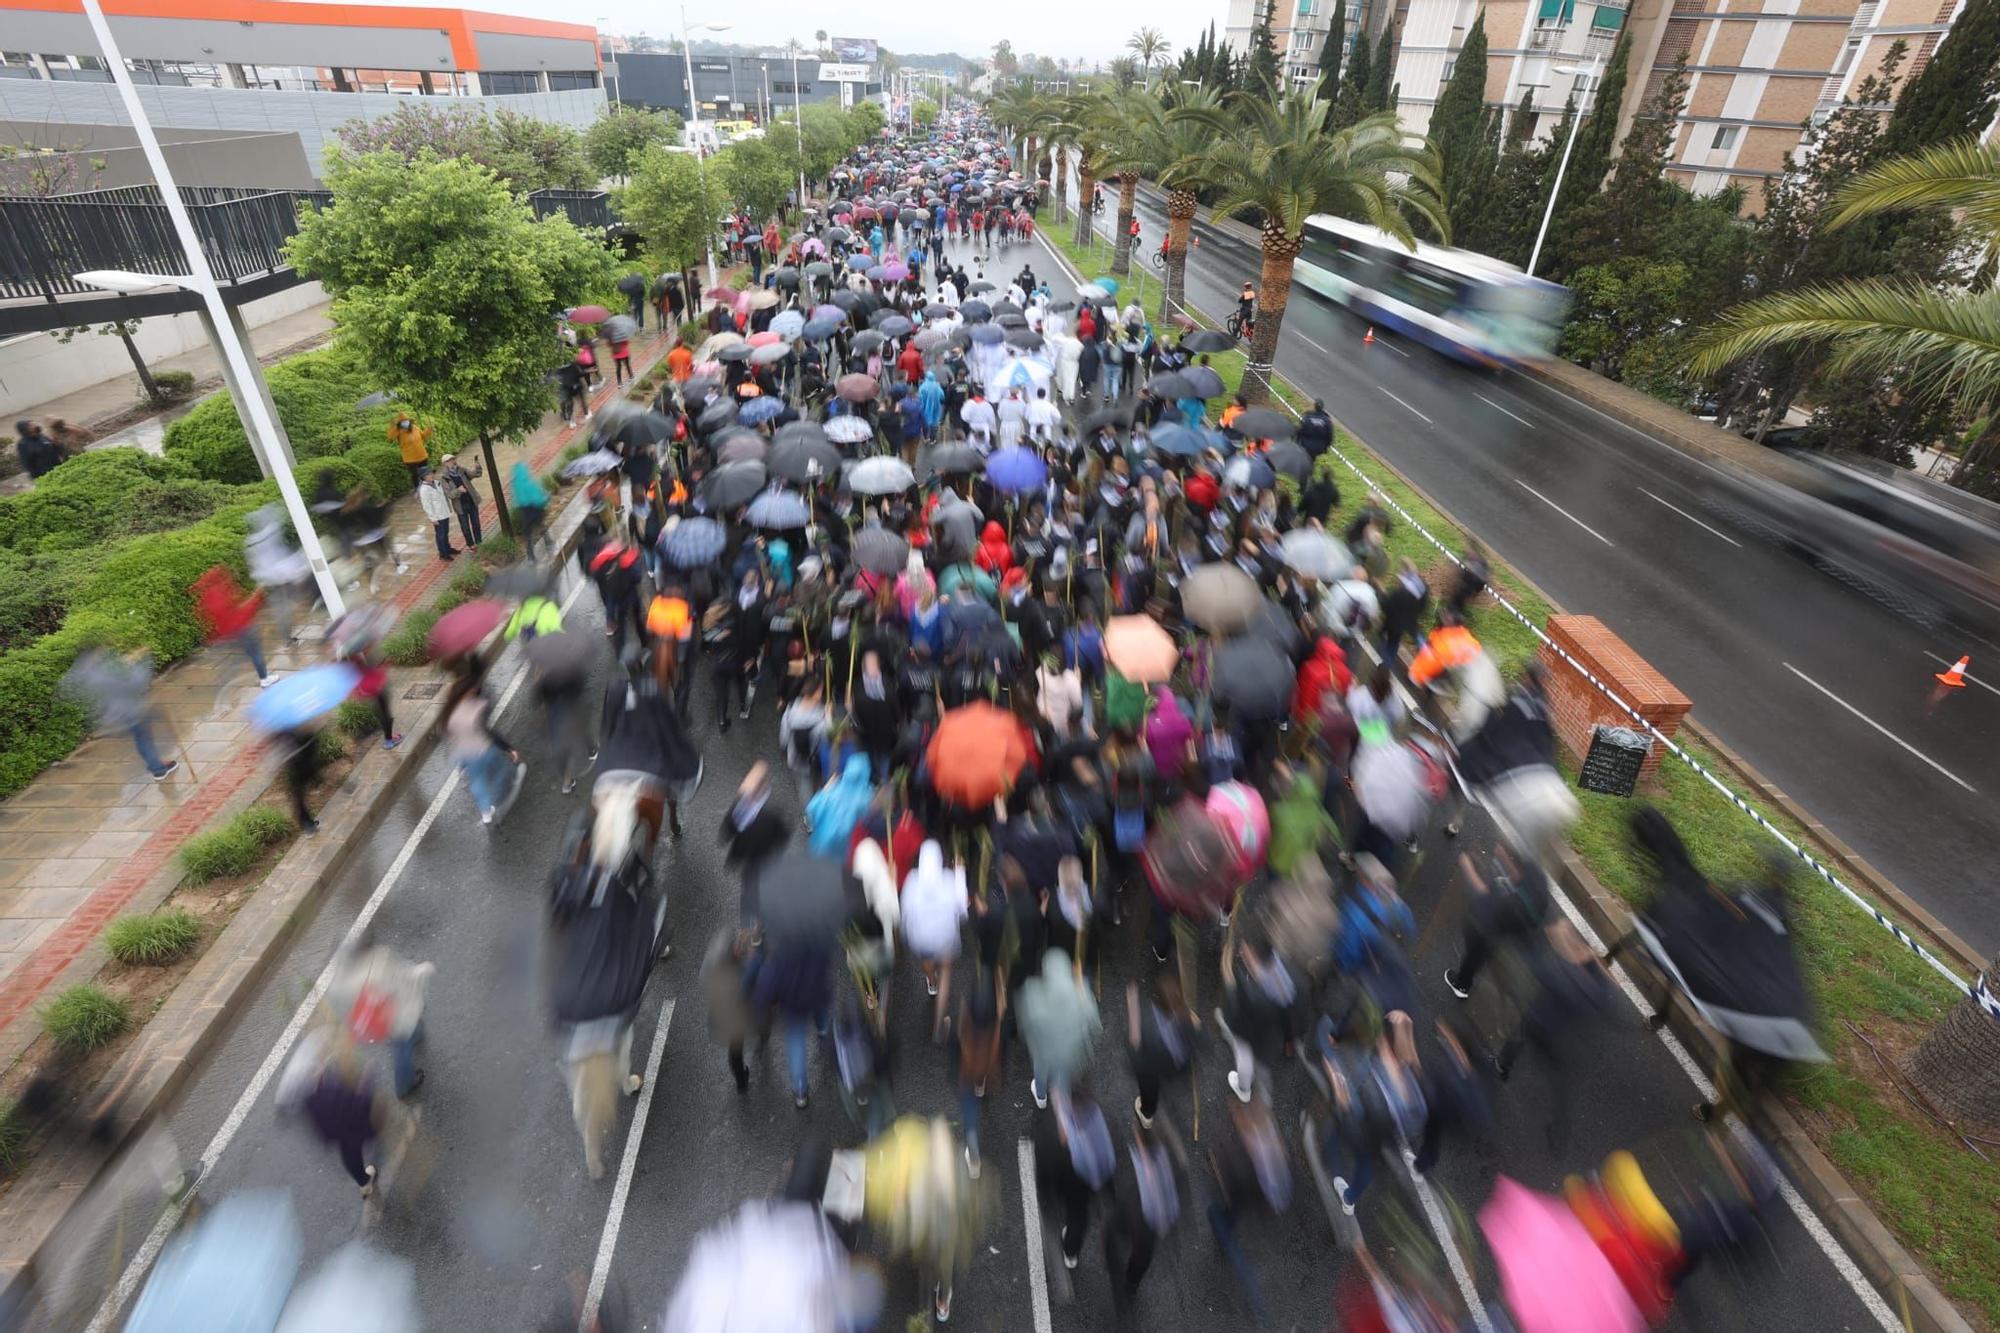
1879	727
1689	517
1031	1211
1456	1261
1413	411
1497	408
615	1219
1952	661
1310	343
1564	512
156	1239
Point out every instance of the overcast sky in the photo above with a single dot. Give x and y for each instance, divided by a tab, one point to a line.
1056	28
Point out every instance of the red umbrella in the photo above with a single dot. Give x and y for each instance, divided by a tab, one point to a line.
857	388
976	754
1190	861
462	630
589	314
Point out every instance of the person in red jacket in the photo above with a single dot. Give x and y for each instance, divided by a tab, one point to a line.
996	553
1202	490
911	363
1325	670
230	615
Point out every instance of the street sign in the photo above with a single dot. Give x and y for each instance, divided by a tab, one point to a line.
1613	763
844	73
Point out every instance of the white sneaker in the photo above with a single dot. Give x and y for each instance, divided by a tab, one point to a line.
1237	1086
972	1163
266	682
1041	1098
402	568
1340	1193
513	791
1145	1121
633	1082
486	816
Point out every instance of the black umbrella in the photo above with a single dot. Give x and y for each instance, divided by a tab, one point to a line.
641	428
895	325
1025	339
803	460
734	352
786	277
1207	340
720	413
562	657
1275	626
1261	423
879	317
981	286
953	458
603	955
880	551
1254	678
868	340
802	899
1732	956
1005	308
632	284
1011	320
974	311
1204	382
734	484
1119	418
1170	386
1288	459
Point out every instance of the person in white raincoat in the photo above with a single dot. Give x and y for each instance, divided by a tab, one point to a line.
934	906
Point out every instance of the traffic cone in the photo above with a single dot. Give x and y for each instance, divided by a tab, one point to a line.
1368	340
1955	678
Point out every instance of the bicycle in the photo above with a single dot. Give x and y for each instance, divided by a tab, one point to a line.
1238	327
1160	258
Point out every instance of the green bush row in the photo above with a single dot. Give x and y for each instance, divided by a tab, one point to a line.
152	939
104	494
235	846
83	1018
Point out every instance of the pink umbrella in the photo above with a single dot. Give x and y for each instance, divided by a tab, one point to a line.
764	339
589	314
896	270
1554	1277
814	246
1240	811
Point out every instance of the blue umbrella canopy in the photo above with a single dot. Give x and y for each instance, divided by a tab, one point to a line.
788	324
299	698
1177	440
1013	470
759	410
693	542
778	510
231	1272
987	334
819	330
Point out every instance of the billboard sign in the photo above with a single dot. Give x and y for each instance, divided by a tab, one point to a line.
843	73
712	67
854	50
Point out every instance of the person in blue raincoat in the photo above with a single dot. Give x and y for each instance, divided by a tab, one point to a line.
876	240
930	397
839	806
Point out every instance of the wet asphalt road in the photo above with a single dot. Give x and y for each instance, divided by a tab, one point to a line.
496	1211
1826	689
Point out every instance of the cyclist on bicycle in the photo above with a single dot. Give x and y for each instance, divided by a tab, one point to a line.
1246	309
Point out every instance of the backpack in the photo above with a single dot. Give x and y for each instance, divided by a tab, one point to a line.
1090	1150
1128	828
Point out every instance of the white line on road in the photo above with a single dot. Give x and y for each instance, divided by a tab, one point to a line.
1384	342
1503	411
156	1239
1456	1261
615	1219
1031	1210
1879	727
1952	661
1564	512
1689	517
1310	343
1413	411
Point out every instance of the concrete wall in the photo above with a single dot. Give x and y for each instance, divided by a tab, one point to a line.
197	157
35	368
313	116
209	41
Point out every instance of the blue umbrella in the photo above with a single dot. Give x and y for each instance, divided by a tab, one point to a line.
232	1271
829	312
879	273
895	326
759	410
1250	471
987	334
298	699
787	324
778	510
1178	440
693	542
818	330
1013	470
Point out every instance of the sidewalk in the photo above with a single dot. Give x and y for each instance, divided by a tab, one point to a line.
81	842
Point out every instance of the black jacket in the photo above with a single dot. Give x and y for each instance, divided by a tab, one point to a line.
1315	432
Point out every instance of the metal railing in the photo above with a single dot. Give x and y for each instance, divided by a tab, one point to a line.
584	208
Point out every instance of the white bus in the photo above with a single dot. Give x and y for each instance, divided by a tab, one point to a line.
1471	307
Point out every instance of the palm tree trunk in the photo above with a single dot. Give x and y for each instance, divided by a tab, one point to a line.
1061	183
1955	1065
1128	198
1086	183
1274	295
1180	228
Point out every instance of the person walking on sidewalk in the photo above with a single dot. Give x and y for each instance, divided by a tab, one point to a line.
118	690
438	510
464	500
230	616
482	752
414	442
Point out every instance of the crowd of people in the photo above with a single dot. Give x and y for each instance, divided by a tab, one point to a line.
1057	664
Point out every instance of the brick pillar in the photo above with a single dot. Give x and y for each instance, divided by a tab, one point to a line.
1577	706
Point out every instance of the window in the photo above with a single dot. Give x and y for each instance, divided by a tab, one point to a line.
1449	65
1555	13
1847	54
1608	18
1725	138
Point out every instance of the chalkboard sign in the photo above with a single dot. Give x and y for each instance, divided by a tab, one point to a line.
1612	766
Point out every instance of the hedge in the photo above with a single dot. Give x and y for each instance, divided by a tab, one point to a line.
235	846
316	393
104	494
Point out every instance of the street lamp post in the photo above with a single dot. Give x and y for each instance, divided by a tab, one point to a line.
1562	167
245	376
694	129
798	121
605	18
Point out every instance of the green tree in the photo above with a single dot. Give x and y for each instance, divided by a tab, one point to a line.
924	113
1380	95
1262	68
536	154
665	204
1592	155
1148	47
868	121
754	175
1125	73
446	286
1953	96
1004	61
1330	55
615	139
1622	323
1167	143
1624	218
1281	162
1459	129
1505	223
1353	103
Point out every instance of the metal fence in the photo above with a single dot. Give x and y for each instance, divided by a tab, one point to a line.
585	208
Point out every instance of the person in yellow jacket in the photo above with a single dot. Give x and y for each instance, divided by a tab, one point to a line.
415	442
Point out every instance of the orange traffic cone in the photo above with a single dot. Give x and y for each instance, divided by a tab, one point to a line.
1955	678
1369	339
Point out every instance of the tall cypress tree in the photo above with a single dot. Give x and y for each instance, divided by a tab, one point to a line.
1592	157
1261	71
1458	128
1954	96
1330	57
1625	219
1380	70
1354	89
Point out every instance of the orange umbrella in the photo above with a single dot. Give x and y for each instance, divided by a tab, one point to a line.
976	754
1141	649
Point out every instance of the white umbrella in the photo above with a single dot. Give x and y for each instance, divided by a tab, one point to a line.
356	1288
849	430
772	1268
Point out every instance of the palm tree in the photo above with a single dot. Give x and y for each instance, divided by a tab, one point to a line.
1046	114
1940	344
1123	117
1166	143
1279	159
1093	155
1014	109
1147	45
1061	137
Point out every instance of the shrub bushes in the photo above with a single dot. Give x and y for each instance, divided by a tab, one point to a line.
354	718
153	939
84	1018
234	847
174	385
98	495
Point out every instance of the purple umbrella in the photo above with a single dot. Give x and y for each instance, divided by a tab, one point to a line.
895	271
832	312
1013	470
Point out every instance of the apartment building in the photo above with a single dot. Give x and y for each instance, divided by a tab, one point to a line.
281	67
1299	30
1758	70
